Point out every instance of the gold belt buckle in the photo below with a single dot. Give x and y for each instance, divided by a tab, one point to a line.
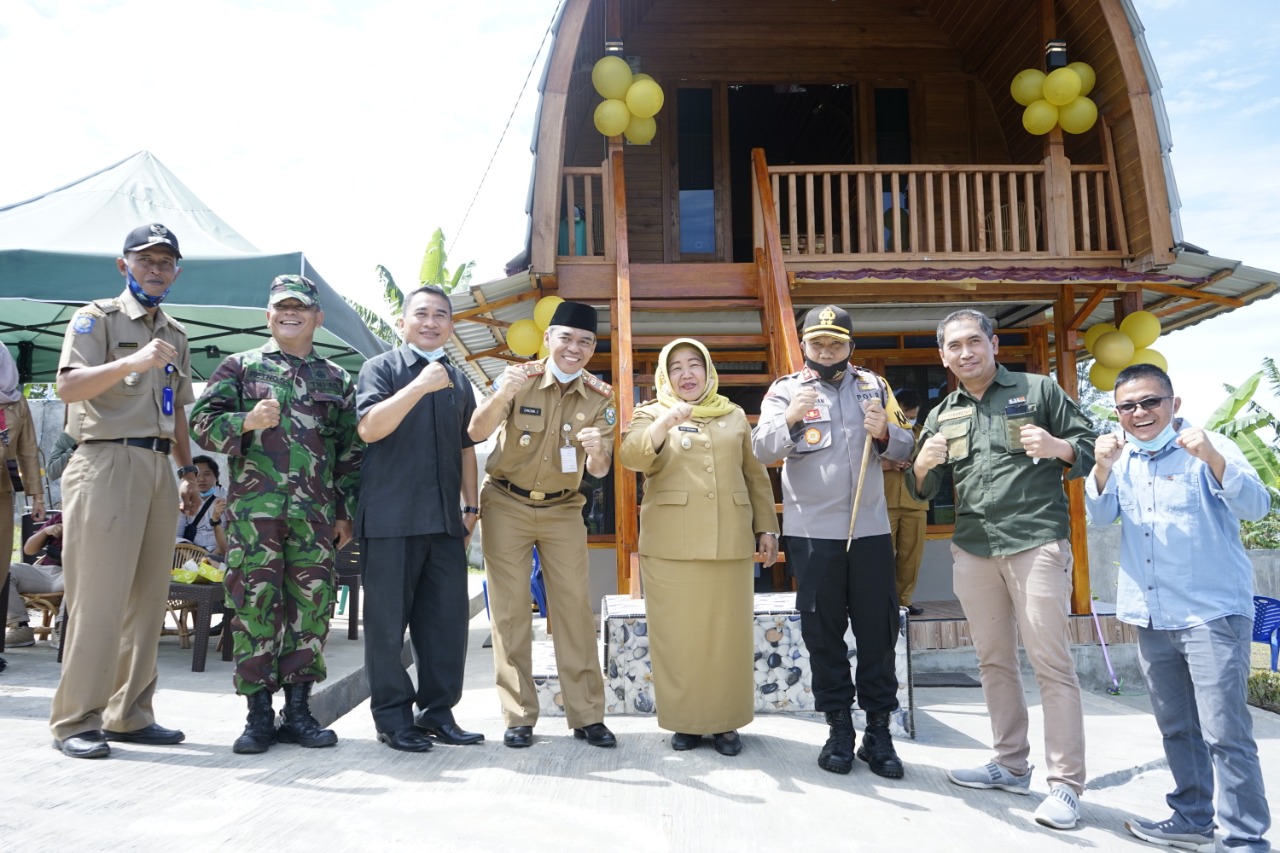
538	496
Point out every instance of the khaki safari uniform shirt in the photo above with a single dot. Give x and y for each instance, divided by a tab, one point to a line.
896	493
22	447
540	421
107	330
1005	503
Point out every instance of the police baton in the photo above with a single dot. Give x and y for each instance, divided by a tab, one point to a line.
857	493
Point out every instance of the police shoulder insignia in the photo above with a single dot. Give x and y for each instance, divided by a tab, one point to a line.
601	387
610	415
82	324
534	368
807	374
104	306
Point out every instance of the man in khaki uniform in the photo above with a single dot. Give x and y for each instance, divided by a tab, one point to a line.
556	420
125	370
908	515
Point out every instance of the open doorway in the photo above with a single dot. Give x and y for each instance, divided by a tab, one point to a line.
796	124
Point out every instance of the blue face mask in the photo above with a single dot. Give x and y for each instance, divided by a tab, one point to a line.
560	375
433	355
1158	443
209	493
140	294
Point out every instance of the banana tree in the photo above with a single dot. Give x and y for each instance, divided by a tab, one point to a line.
1240	418
434	269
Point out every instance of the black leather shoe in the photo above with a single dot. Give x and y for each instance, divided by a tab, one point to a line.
406	740
152	734
914	610
727	743
84	745
452	735
596	734
681	741
518	737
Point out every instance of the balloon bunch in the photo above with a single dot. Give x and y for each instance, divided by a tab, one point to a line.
525	336
631	101
1056	98
1115	349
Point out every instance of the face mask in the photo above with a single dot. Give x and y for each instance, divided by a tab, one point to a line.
828	372
140	294
911	422
1166	435
209	493
560	375
433	355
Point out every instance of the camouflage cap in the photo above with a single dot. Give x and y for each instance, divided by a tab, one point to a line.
297	287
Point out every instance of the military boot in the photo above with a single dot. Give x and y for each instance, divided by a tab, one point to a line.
296	723
259	730
877	747
837	752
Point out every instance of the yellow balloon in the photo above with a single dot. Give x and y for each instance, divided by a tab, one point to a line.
1114	349
543	352
1102	377
645	98
640	76
1027	86
1062	86
1040	117
524	337
1078	116
612	117
1096	331
1142	327
641	130
544	309
1087	76
1147	355
611	76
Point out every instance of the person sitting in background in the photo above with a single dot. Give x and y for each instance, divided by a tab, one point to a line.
63	446
696	556
45	575
204	527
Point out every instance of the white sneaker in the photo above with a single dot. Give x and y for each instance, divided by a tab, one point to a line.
992	776
1059	810
55	637
19	637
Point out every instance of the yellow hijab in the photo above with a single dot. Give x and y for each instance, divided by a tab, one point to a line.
711	404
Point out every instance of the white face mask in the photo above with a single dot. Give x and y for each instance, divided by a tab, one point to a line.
911	422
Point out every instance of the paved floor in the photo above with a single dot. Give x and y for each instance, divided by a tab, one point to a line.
559	794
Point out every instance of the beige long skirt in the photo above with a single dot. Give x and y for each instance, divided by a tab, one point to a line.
701	629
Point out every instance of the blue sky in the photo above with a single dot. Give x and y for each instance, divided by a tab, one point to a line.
351	129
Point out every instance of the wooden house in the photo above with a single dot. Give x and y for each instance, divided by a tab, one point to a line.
861	152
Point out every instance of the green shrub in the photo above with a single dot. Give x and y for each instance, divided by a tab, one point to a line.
1264	689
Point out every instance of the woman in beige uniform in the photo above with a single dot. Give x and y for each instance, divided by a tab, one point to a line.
707	516
17	442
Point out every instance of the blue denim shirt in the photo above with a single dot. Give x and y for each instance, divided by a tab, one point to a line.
1181	561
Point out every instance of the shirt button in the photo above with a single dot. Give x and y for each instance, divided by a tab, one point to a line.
711	496
710	470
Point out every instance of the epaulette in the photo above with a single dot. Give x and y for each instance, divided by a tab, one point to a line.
604	389
534	368
106	306
806	373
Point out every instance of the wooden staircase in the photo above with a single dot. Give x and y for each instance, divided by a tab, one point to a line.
759	291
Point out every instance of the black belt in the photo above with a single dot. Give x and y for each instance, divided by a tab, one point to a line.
159	445
536	496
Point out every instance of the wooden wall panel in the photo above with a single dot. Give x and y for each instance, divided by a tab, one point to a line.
646	210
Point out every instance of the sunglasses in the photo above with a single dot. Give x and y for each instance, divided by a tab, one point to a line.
1147	404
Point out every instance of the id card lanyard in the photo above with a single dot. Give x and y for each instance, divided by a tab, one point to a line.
568	454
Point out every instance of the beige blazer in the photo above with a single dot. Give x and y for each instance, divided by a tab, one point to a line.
705	495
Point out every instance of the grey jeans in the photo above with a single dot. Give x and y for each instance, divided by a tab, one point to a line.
1197	679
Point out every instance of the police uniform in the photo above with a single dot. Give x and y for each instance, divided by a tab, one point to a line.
528	500
288	485
120	508
822	456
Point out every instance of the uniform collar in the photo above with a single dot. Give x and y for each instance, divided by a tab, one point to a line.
135	310
272	347
549	379
1004	377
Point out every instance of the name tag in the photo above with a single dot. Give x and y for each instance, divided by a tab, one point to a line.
127	345
530	410
683	428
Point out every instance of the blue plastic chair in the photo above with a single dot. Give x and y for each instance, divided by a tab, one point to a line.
1266	625
537	587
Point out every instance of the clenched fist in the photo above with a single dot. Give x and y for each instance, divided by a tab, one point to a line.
264	415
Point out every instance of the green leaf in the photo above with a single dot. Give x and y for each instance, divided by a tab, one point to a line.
1263	459
391	292
433	269
376	324
1234	403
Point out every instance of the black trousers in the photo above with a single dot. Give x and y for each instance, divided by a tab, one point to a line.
838	589
419	582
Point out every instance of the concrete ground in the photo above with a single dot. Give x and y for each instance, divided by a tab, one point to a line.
559	794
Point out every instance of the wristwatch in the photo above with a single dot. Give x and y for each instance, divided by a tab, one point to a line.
188	469
216	522
473	510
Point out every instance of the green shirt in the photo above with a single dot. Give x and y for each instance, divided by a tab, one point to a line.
1005	503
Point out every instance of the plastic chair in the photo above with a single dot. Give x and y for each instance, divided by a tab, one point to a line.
537	588
1266	625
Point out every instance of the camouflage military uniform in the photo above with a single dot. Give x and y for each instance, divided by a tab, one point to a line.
288	484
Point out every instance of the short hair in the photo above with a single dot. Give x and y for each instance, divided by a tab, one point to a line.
983	321
213	466
1134	372
434	291
907	399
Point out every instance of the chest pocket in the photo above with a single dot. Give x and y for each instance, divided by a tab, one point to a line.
118	353
326	408
956	432
1178	494
526	423
255	391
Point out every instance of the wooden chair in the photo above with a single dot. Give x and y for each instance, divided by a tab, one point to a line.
48	605
199	601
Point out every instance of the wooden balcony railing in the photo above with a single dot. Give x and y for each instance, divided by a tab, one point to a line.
917	212
582	230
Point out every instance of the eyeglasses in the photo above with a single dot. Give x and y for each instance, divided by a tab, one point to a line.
1147	404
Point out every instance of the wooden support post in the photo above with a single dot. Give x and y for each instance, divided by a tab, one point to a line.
626	522
1081	595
